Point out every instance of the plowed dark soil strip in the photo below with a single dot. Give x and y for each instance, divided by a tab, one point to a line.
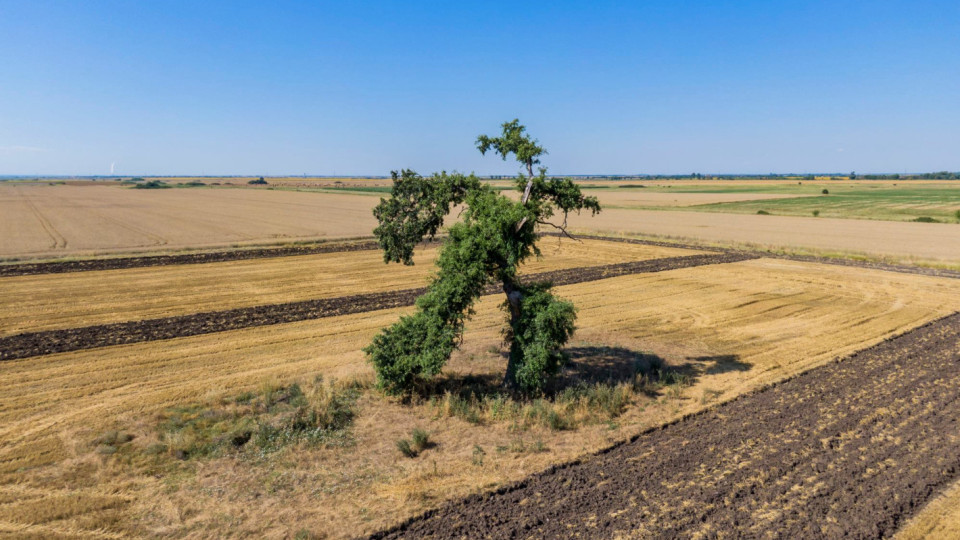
54	341
848	450
61	267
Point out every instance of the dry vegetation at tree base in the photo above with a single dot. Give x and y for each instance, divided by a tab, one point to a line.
34	303
722	330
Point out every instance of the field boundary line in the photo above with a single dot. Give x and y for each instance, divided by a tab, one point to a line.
71	339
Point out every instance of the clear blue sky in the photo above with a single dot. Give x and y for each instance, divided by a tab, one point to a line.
365	87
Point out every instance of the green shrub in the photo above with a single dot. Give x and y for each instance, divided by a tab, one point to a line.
405	448
926	219
259	181
816	213
825	191
421	439
957	215
763	213
152	184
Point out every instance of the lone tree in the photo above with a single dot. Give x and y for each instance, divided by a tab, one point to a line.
494	236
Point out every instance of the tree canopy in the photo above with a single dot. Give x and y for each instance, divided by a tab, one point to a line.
493	237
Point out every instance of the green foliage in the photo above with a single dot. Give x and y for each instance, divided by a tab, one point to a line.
825	191
544	323
816	213
494	236
763	213
152	184
421	439
957	215
513	141
926	219
261	423
405	448
416	210
258	182
418	442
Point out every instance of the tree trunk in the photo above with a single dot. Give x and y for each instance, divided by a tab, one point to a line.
514	297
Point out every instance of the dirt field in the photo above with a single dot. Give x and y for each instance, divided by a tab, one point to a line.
65	220
36	302
924	241
730	328
61	220
842	451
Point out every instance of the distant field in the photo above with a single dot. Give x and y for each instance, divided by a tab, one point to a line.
935	243
729	327
879	200
64	220
34	303
882	203
42	221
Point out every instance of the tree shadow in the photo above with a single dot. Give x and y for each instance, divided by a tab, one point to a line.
590	366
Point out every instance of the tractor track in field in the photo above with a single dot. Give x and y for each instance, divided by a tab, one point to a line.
102	335
851	449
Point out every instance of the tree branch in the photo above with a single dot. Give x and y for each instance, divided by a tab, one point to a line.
562	229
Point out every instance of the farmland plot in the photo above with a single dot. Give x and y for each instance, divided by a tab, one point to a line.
33	303
730	328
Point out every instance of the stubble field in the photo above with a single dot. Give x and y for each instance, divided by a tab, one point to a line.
721	330
44	221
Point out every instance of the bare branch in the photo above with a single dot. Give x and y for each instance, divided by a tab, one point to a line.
562	229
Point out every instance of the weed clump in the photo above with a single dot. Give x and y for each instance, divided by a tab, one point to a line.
418	442
816	213
763	213
261	422
926	219
825	191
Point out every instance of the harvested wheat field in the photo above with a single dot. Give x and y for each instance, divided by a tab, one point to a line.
937	243
36	302
720	330
66	220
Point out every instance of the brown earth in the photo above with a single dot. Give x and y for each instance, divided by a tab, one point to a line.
851	449
102	335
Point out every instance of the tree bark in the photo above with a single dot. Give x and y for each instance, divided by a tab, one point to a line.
514	298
